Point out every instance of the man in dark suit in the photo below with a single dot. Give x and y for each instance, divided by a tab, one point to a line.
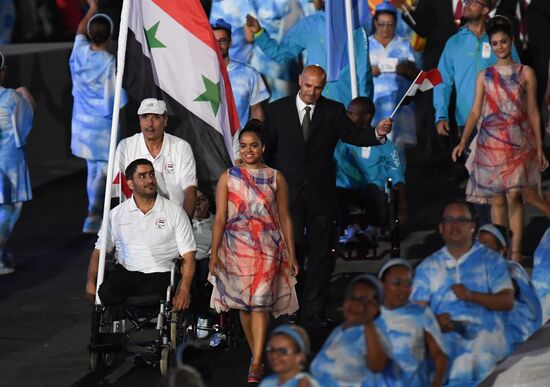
302	131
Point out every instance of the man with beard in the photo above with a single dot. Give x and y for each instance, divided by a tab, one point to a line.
147	232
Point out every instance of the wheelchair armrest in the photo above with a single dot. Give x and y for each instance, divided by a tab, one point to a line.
175	270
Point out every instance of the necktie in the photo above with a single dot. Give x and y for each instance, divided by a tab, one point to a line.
305	123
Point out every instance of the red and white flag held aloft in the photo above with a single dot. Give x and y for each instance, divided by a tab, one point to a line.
424	81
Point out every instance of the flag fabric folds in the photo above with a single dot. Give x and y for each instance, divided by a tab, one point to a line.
336	33
171	54
426	80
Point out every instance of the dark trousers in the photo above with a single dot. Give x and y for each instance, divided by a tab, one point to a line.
119	284
369	198
312	238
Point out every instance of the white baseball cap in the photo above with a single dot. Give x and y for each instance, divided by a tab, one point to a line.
152	106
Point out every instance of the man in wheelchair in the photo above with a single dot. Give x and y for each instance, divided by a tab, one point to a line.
147	232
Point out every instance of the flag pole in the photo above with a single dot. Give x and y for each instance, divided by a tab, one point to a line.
405	95
121	54
351	50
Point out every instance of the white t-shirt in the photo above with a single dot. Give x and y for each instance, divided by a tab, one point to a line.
149	242
174	165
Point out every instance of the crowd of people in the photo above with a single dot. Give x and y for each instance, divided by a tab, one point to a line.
302	160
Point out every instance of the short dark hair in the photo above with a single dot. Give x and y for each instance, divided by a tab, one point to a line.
364	103
131	168
100	30
253	126
499	23
463	203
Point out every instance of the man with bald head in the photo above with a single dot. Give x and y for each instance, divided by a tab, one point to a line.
301	134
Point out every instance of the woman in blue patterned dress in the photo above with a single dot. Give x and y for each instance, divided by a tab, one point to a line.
356	352
413	330
16	112
393	69
93	76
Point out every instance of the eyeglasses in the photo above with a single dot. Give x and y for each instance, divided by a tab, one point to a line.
457	219
279	351
223	41
471	2
400	282
363	300
385	25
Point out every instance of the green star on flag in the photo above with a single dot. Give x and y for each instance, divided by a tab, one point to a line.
152	41
212	94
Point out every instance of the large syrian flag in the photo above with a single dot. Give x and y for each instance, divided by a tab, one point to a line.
171	54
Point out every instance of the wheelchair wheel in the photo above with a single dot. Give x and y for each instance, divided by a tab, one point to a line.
95	361
165	360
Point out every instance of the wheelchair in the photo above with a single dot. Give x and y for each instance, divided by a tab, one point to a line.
152	330
373	246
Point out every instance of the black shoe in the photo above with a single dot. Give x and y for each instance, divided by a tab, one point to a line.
294	318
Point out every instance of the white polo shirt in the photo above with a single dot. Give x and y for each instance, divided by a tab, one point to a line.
149	242
174	165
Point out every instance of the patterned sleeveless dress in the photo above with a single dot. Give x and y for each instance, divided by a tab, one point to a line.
503	156
254	263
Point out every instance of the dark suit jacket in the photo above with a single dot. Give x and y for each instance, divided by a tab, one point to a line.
309	167
435	22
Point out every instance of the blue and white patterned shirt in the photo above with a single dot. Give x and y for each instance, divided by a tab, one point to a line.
480	340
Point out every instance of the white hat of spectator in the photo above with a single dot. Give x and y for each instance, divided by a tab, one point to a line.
491	229
152	106
394	262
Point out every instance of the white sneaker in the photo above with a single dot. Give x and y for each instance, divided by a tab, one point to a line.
5	270
202	333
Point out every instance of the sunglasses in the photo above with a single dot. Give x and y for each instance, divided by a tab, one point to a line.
400	282
457	219
279	351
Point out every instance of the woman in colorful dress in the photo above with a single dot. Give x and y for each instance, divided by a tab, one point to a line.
393	69
357	351
253	261
506	154
413	330
287	352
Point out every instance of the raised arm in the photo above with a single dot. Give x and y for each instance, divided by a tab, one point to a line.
83	25
473	117
219	222
286	222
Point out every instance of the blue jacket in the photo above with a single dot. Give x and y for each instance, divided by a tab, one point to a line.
462	59
309	35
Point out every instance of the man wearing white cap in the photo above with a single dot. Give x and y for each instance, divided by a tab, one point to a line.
171	156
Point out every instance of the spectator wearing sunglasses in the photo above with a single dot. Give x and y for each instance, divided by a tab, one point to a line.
413	330
287	352
468	288
356	352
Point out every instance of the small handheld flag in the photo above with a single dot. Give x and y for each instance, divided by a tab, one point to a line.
424	81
